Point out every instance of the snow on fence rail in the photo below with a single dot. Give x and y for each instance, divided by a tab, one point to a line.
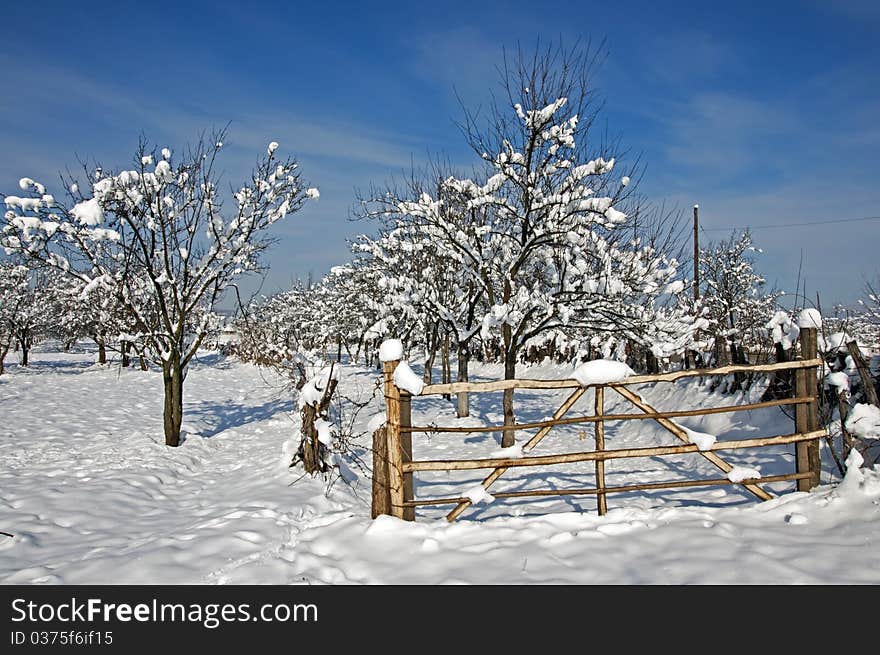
393	465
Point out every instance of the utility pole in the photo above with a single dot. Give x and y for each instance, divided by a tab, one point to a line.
696	253
696	277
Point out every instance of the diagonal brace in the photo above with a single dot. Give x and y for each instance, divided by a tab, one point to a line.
531	443
677	430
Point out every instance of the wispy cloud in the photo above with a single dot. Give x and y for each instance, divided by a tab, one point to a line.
720	135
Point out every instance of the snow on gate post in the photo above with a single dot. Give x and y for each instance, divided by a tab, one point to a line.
806	418
398	445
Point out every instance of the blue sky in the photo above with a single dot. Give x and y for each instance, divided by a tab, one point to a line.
763	113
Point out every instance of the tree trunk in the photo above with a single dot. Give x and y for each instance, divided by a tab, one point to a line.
311	450
126	360
25	351
651	362
430	354
310	446
143	362
720	351
102	351
737	357
462	396
172	375
508	438
446	369
429	366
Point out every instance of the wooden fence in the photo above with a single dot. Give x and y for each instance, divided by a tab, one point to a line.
394	466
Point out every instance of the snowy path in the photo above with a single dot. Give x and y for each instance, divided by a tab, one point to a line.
92	495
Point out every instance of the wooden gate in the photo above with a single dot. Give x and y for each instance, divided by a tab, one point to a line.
393	464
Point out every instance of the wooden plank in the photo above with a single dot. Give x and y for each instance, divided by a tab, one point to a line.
679	432
395	451
611	417
620	453
526	383
529	445
602	502
632	487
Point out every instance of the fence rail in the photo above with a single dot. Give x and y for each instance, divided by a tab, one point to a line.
393	464
530	383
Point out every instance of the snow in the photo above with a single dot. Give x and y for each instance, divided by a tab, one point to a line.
479	494
376	422
864	421
93	496
323	428
854	478
834	342
273	146
88	212
703	440
601	371
312	193
809	318
391	350
511	452
783	330
406	379
740	473
313	390
838	380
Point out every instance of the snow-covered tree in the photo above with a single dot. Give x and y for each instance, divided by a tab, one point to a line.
162	239
869	320
551	249
28	311
14	297
421	278
737	302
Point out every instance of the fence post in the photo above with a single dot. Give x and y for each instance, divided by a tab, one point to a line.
381	497
409	513
600	445
807	415
394	448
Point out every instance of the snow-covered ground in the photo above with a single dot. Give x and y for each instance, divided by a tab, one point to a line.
92	495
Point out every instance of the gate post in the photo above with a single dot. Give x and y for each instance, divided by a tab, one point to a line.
600	446
409	513
381	497
806	418
398	442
